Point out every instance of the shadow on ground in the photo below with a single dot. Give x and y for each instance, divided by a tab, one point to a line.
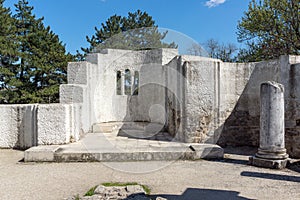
294	166
237	155
242	150
196	194
271	176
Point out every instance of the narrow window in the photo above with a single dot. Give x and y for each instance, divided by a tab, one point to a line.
119	83
127	82
136	83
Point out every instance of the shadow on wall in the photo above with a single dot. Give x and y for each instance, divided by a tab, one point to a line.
147	103
242	126
196	194
26	116
146	115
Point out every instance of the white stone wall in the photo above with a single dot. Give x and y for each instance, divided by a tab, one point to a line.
83	78
149	104
197	99
24	126
18	126
58	123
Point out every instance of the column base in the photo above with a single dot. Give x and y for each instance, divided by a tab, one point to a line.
267	163
272	154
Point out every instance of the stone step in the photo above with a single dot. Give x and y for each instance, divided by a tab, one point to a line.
109	127
167	153
102	128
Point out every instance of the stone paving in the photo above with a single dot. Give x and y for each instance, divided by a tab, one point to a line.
113	147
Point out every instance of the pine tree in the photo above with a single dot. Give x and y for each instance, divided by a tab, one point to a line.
42	59
135	32
8	51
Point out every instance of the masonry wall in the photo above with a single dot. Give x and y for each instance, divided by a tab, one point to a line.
113	107
222	102
175	98
24	126
195	99
18	126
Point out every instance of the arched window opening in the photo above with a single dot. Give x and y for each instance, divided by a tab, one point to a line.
127	82
119	83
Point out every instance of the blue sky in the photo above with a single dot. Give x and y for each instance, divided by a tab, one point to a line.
200	20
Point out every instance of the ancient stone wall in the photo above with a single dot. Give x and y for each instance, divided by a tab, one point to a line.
197	99
24	126
221	103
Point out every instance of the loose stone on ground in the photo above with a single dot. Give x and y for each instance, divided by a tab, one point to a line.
130	192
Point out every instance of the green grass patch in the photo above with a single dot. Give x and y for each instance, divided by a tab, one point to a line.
91	191
147	189
118	184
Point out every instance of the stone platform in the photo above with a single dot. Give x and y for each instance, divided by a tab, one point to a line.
109	147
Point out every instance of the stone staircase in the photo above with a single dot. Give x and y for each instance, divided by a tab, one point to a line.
137	130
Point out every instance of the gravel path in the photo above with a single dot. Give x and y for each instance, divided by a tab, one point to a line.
228	179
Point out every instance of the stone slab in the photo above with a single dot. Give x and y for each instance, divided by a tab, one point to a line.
40	153
102	128
207	151
273	164
98	148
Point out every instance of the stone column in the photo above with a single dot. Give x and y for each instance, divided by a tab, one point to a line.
271	152
122	82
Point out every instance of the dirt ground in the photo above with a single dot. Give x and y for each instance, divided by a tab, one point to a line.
231	178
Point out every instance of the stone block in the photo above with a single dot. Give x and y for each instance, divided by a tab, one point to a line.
207	151
102	128
18	126
40	154
71	93
54	124
77	73
267	163
8	126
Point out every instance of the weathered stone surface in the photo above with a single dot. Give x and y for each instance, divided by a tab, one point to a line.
267	163
207	151
272	145
134	189
95	147
271	152
40	154
196	99
70	93
118	192
129	192
54	124
18	126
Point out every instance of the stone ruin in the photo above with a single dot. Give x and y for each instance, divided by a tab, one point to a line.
194	99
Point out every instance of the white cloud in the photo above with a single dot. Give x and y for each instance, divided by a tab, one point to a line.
214	3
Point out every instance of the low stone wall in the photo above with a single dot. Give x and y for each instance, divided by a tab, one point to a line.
58	123
24	126
18	126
